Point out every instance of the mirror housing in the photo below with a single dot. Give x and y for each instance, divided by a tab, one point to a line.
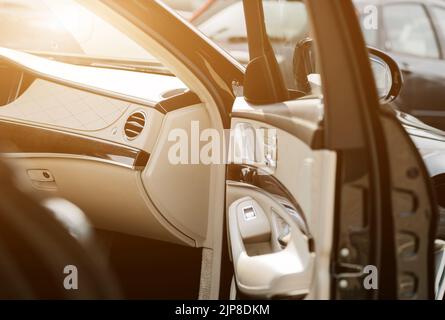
304	64
393	72
261	85
387	74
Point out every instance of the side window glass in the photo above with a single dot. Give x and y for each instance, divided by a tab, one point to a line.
286	23
225	25
371	36
408	30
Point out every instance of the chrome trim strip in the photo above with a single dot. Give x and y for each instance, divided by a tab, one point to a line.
428	113
22	155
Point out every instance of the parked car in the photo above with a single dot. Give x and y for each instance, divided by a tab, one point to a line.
330	185
413	33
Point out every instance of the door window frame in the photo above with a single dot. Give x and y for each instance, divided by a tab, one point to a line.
439	33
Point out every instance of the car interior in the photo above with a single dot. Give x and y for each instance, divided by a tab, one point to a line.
104	148
96	137
101	138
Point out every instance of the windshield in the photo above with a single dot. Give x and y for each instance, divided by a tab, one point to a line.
63	27
285	22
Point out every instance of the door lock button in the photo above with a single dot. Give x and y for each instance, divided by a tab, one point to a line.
253	224
249	213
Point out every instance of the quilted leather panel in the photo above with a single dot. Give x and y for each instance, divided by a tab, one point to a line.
51	104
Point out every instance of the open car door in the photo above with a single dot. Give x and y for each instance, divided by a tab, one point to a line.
326	195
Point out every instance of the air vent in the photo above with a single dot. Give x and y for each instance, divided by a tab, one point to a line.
134	125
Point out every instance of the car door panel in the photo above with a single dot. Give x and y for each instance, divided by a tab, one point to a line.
303	172
300	118
263	267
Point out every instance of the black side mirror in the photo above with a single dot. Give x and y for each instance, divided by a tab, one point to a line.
304	64
263	82
387	74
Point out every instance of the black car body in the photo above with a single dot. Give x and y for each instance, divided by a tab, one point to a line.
413	33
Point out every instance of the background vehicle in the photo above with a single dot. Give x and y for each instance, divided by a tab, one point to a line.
413	32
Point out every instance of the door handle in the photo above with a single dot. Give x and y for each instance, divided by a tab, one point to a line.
287	272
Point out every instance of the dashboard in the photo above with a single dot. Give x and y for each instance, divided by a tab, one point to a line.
87	101
99	138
